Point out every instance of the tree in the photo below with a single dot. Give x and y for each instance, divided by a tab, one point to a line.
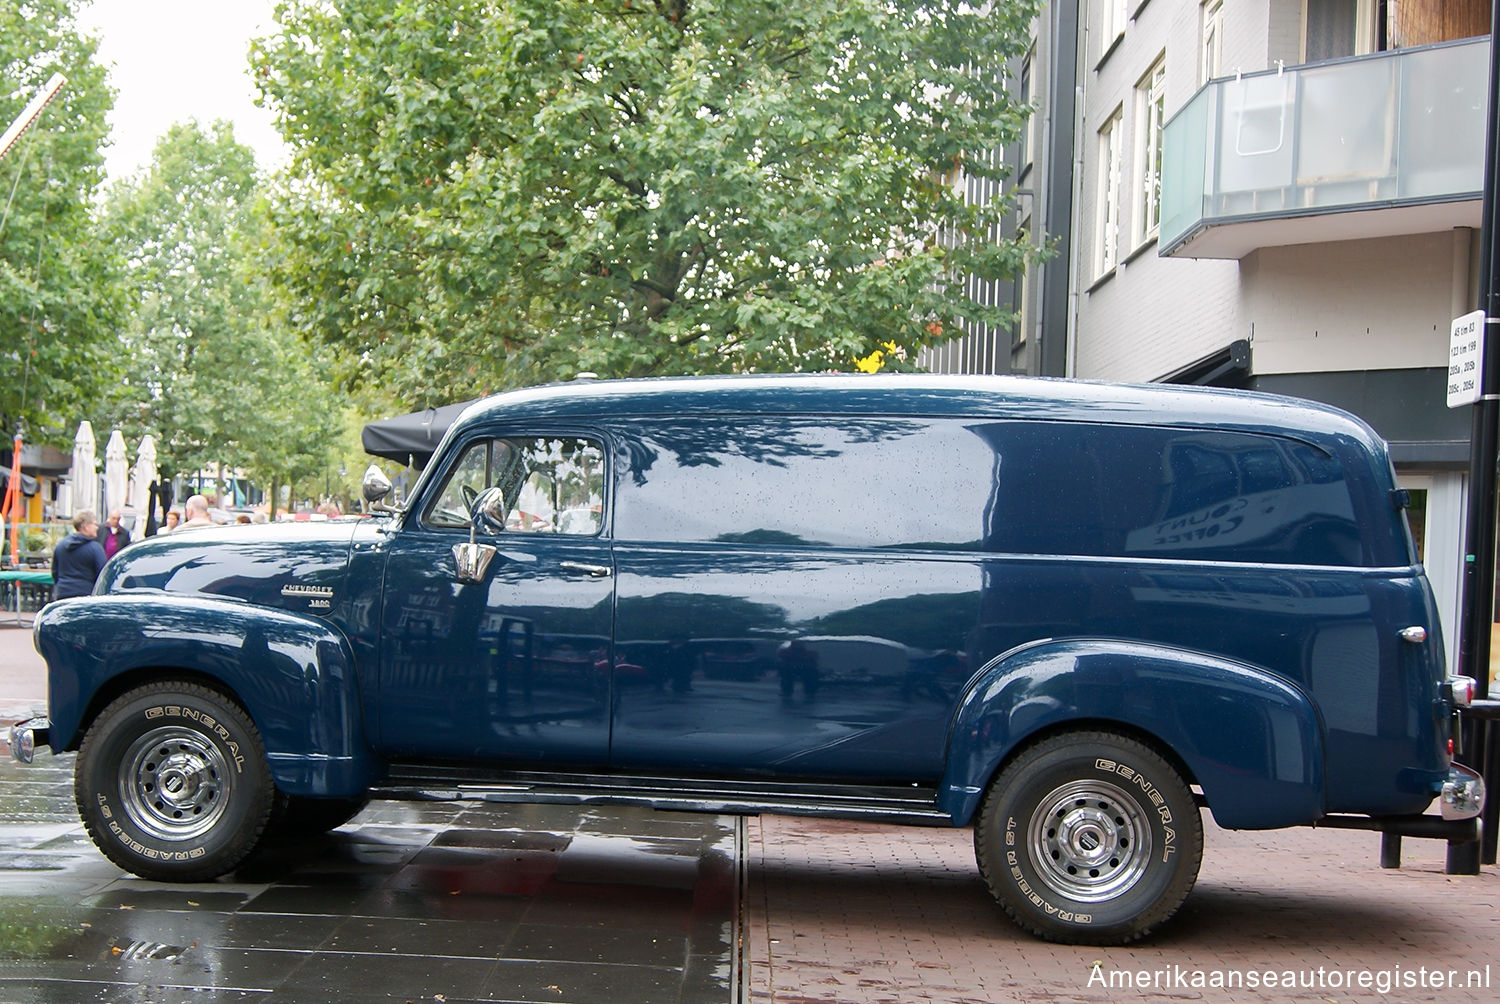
210	370
59	295
489	193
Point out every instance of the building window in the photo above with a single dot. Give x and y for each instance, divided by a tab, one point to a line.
1333	29
1111	21
1107	241
1028	134
1023	291
1212	49
1151	116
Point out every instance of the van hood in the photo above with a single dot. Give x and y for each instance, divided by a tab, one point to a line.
299	567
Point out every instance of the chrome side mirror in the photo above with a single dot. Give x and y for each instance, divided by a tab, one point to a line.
486	512
375	487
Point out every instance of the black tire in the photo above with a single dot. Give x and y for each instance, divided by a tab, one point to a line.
172	783
295	817
1089	838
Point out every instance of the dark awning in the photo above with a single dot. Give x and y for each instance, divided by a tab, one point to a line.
410	439
1228	367
28	483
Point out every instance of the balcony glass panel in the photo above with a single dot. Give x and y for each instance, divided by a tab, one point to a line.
1378	131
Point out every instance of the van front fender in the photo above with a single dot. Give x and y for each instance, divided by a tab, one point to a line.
293	674
1250	740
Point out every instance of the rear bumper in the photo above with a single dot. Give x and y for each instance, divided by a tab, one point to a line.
1463	793
25	737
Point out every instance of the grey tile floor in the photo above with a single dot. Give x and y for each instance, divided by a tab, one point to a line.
409	902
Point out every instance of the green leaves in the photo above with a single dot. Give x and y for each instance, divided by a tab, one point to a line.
58	305
209	367
534	187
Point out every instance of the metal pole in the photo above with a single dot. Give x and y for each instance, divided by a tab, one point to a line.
1478	610
1479	561
31	111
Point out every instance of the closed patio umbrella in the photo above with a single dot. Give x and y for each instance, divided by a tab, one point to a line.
116	473
85	477
144	476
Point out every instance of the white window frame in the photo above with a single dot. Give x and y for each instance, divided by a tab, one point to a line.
1110	183
1211	41
1151	119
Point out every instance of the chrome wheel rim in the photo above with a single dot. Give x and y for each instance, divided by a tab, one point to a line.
174	784
1091	841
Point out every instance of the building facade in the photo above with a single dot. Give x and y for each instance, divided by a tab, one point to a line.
1280	195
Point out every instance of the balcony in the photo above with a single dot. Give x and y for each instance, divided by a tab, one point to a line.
1373	146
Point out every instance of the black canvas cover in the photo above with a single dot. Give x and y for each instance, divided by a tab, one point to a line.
410	439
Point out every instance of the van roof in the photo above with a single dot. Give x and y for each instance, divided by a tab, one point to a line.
928	395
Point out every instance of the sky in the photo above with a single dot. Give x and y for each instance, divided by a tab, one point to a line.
172	60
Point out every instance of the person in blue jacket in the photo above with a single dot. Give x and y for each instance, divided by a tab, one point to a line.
77	559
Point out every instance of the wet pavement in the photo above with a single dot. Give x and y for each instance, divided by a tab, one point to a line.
429	902
408	902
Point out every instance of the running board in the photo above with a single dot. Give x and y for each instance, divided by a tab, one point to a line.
906	805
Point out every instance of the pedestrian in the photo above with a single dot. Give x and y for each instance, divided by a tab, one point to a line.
196	512
173	519
77	559
112	536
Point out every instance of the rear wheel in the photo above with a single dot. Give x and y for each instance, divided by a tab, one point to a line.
172	782
1089	838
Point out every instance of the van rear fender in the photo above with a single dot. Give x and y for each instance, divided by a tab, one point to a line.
294	675
1249	739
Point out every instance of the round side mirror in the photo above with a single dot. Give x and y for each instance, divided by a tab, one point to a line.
375	485
487	514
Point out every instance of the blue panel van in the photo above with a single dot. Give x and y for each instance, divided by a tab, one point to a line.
1066	615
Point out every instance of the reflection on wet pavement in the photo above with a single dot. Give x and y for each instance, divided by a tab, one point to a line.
409	902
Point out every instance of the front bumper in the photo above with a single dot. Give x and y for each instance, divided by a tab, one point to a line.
26	736
1463	793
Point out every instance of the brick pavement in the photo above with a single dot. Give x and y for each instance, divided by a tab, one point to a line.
853	912
23	674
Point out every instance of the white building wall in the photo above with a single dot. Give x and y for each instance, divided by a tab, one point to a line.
1306	308
1369	304
1137	327
1149	316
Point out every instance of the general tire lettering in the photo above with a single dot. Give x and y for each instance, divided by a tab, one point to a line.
1089	838
172	782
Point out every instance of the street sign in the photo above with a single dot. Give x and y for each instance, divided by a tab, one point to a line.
1465	351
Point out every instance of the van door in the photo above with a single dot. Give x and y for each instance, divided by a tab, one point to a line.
514	667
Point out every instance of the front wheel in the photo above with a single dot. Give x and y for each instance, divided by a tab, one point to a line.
172	783
1089	838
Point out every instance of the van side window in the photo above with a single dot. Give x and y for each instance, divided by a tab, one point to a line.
1178	494
552	484
1004	487
873	482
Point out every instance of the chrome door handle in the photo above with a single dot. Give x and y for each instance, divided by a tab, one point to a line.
1415	634
592	571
